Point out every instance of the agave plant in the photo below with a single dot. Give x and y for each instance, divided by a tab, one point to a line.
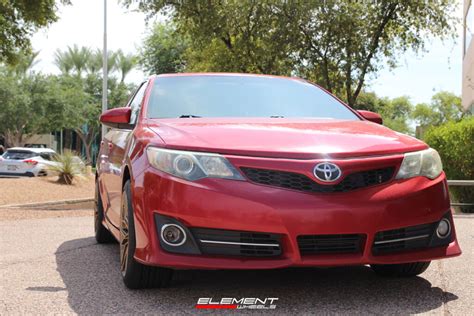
67	166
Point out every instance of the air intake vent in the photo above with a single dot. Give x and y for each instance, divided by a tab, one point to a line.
403	238
324	244
237	243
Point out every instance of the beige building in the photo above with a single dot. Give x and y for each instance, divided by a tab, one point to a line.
468	57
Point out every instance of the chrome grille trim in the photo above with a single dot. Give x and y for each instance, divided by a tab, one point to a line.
400	239
237	243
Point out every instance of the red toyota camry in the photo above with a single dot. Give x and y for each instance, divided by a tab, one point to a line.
234	171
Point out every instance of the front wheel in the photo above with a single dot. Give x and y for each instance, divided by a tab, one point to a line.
400	270
136	275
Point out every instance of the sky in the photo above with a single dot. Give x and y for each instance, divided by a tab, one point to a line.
417	76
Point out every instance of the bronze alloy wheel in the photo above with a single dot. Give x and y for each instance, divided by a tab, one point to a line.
124	235
136	275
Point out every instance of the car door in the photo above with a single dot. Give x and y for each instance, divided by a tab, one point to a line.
116	141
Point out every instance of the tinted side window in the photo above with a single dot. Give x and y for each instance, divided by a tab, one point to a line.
136	103
47	156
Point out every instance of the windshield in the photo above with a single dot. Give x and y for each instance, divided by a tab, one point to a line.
242	96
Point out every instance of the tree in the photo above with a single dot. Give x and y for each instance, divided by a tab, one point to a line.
444	107
124	64
63	61
18	20
396	113
334	43
82	85
163	50
31	104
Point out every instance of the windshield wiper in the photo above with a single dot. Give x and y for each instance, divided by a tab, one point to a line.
189	116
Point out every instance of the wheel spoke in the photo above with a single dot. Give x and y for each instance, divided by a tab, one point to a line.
124	237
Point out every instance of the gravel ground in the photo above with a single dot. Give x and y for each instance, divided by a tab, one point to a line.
29	190
54	266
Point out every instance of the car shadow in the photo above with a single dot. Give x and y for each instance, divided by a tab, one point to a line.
92	279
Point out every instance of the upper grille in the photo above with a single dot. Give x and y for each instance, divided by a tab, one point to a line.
403	238
237	243
321	244
300	182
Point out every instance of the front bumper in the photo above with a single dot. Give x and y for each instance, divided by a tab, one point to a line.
244	206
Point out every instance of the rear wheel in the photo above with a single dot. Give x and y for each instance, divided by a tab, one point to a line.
136	275
42	173
102	235
401	270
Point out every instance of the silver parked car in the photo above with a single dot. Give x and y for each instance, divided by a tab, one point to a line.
30	162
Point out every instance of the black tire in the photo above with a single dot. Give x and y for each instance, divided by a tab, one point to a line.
400	270
102	234
136	275
42	173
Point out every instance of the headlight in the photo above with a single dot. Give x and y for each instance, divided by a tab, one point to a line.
421	163
192	165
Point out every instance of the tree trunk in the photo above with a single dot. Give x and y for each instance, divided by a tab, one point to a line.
87	144
13	138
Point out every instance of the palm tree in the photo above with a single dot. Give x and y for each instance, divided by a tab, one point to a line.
63	60
79	58
25	63
125	63
94	64
96	60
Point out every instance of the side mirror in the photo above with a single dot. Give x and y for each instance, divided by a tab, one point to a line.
371	116
117	118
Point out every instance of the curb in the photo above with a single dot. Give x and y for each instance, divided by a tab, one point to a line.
48	203
466	215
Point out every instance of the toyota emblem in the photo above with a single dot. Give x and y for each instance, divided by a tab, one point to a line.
327	172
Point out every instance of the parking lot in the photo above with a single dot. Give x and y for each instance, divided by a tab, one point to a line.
51	264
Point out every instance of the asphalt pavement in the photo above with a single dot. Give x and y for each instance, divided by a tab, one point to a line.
54	266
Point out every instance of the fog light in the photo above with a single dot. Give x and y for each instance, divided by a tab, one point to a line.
444	228
173	235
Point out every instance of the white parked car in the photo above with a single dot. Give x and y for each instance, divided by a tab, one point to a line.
30	162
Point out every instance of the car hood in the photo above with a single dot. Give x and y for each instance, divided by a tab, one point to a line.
283	138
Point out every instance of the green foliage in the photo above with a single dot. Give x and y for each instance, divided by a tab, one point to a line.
34	103
68	167
124	64
333	43
445	107
395	112
81	76
18	20
455	143
163	50
30	104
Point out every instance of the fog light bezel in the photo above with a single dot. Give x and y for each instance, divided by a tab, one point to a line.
448	233
169	243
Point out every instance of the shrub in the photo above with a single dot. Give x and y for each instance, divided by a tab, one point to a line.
455	143
68	166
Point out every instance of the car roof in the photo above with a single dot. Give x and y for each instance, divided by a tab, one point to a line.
224	74
35	150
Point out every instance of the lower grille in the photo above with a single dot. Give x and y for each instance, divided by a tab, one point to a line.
321	244
237	243
300	182
406	238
